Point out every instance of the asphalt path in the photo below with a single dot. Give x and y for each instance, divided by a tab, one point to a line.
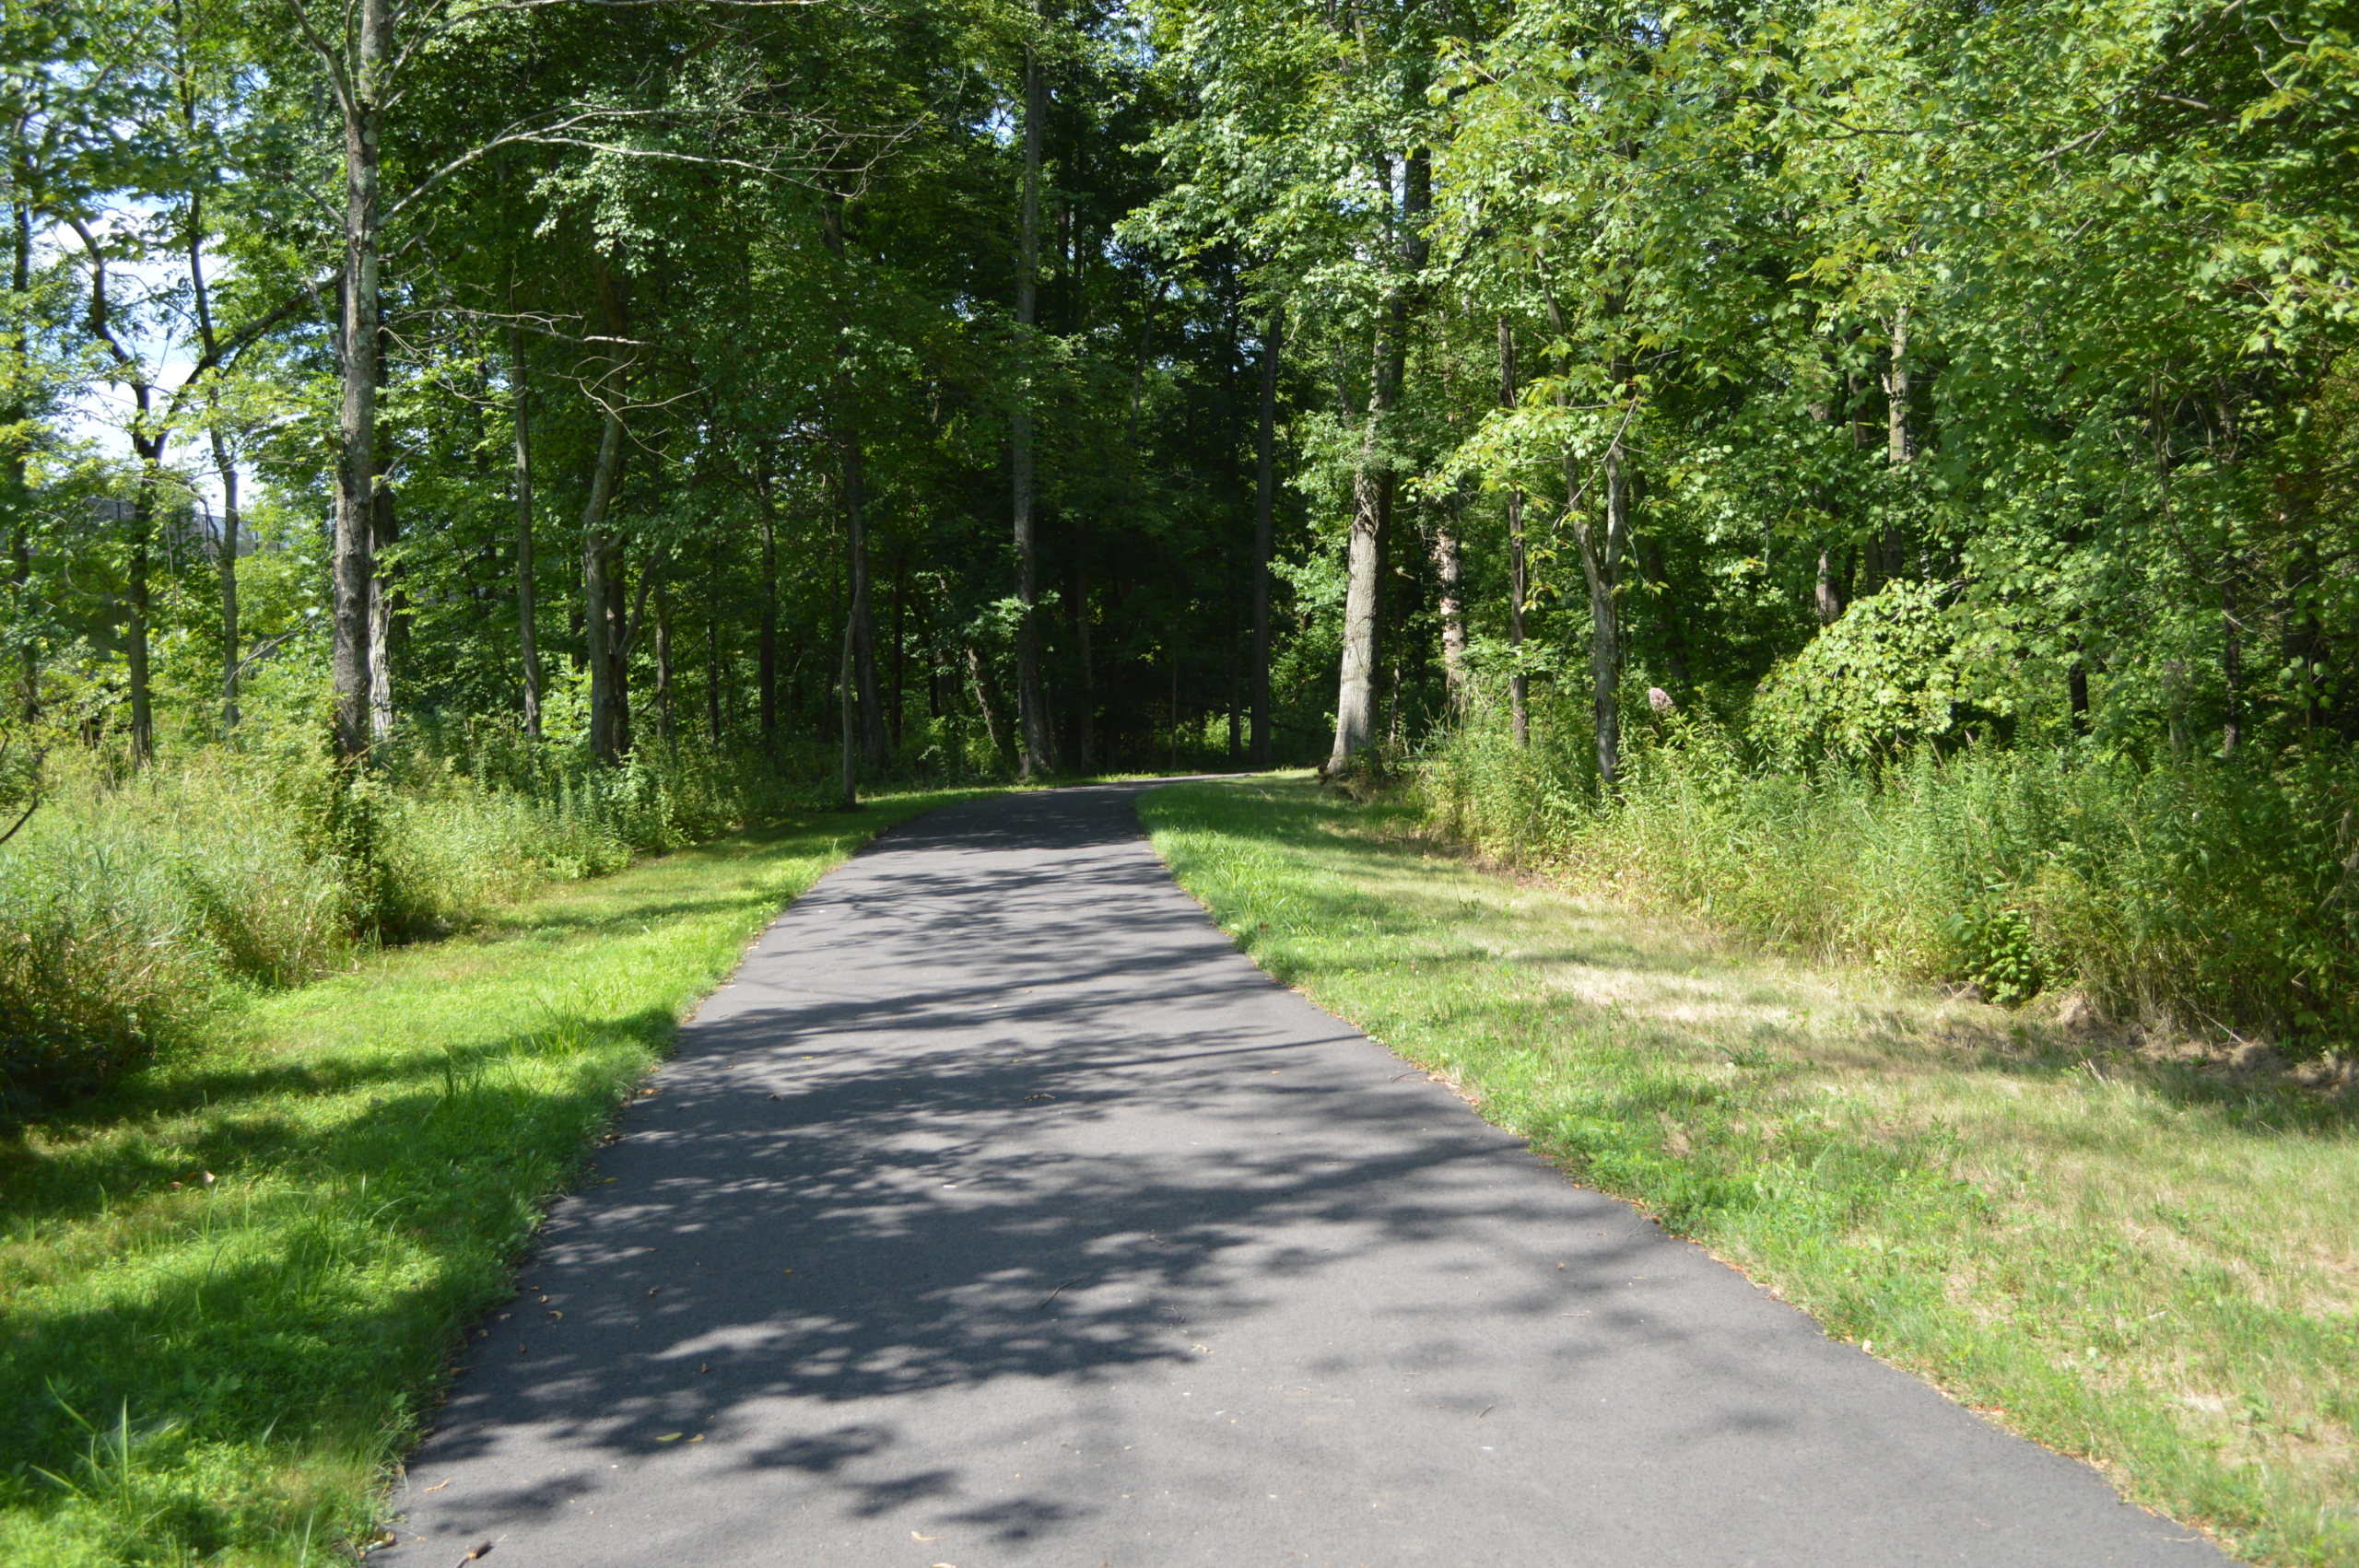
999	1211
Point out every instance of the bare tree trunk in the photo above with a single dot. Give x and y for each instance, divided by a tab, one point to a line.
1827	596
983	700
1602	553
663	730
1901	444
20	544
1085	717
143	523
383	593
848	775
228	562
1372	479
1519	683
1264	538
767	649
364	117
1605	600
1900	448
1031	713
901	645
1449	603
601	559
527	633
864	646
712	645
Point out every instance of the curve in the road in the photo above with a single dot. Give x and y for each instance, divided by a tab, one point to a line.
1000	1212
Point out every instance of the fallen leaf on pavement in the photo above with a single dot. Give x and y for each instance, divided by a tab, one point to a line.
481	1548
669	1437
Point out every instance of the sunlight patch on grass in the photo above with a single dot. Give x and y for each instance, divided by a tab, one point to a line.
2146	1264
225	1368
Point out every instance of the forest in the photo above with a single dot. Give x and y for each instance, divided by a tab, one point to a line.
1883	475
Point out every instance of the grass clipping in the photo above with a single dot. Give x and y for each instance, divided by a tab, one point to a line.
2147	1264
230	1283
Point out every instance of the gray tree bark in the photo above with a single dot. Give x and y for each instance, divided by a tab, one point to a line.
384	608
527	631
364	91
1519	683
1264	523
1032	718
601	563
1372	478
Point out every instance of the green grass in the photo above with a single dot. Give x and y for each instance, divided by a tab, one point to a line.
224	1371
2151	1265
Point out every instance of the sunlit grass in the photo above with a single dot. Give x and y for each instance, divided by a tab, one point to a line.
224	1370
2152	1266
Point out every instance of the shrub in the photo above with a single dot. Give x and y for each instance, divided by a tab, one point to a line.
130	906
2203	893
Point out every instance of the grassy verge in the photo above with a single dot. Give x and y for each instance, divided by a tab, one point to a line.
229	1283
2146	1264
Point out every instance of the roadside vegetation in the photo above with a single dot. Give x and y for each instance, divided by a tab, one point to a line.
2148	1262
2210	902
230	1279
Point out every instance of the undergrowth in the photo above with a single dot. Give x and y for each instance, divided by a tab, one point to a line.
2209	895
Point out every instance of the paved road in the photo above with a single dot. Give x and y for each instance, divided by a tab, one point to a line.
1000	1212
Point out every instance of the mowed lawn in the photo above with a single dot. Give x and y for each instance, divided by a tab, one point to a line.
2153	1266
231	1285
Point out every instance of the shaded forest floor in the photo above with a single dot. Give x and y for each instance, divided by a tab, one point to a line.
230	1284
2152	1264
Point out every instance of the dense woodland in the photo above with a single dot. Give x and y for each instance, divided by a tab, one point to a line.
1771	409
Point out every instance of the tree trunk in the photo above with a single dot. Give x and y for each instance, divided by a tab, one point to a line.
983	700
527	633
357	414
1900	443
900	645
1085	715
1602	553
663	730
1449	603
849	770
601	561
228	562
1605	600
20	544
1827	596
384	528
1519	683
713	646
766	673
143	522
1236	684
864	646
1031	713
1265	539
1372	478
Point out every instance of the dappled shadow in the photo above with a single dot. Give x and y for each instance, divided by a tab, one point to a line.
994	1157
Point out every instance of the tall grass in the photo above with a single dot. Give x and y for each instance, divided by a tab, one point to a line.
131	907
2200	895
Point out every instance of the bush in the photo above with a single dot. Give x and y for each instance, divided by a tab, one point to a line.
2206	894
130	907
